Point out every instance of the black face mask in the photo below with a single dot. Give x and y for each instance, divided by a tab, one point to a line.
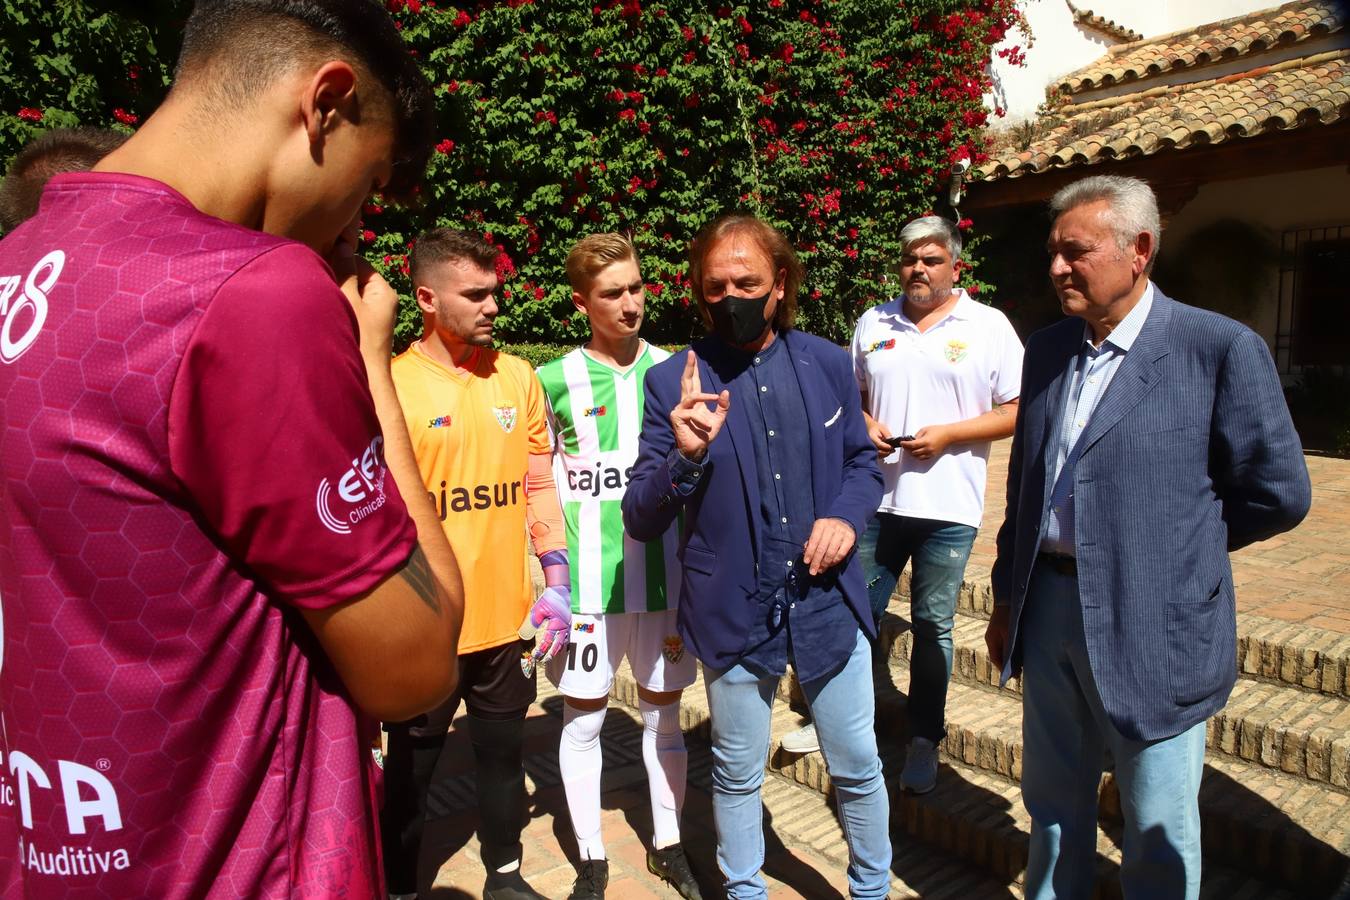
739	320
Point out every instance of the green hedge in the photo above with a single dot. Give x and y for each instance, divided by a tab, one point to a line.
834	119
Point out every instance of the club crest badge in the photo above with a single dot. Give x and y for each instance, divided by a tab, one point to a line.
527	664
673	649
955	351
506	417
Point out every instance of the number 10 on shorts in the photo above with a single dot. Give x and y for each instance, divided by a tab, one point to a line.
590	655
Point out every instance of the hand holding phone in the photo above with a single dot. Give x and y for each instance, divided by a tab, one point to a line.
895	440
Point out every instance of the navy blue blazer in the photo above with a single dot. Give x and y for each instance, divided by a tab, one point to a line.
1190	454
719	545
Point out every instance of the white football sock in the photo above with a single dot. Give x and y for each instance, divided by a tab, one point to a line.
667	765
580	762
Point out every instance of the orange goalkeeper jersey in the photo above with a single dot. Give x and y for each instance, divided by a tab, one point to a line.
473	432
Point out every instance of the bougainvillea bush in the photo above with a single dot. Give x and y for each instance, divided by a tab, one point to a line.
837	120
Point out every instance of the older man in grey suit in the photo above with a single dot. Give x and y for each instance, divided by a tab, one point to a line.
1153	440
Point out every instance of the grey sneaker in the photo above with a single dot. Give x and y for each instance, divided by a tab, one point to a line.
803	740
920	773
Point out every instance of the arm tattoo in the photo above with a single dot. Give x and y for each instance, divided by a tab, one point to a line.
417	573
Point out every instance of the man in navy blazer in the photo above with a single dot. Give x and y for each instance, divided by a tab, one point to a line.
1153	440
772	511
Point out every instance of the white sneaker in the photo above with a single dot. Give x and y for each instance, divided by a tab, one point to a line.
920	773
803	740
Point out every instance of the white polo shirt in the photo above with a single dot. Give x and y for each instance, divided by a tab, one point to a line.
962	366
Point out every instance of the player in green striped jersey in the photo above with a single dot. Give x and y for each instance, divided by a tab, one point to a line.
623	591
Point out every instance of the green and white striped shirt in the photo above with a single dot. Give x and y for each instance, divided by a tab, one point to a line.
595	417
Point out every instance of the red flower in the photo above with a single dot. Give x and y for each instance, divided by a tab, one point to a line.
30	114
372	209
462	19
964	224
394	6
539	293
687	32
691	101
746	27
655	289
644	127
627	115
125	117
546	115
368	236
414	6
445	147
505	268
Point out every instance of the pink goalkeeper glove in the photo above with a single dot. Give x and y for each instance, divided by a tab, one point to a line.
550	620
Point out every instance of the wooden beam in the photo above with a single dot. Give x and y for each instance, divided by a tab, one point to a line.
1305	148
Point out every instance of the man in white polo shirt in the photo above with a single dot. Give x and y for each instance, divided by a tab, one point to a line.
940	376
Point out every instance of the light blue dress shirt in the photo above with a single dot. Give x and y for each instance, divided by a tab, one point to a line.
1093	370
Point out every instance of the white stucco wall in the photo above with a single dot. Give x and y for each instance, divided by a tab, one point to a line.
1061	45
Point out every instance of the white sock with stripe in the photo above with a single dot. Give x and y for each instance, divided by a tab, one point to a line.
667	766
580	763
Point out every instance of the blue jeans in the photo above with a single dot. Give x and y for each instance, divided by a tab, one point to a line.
939	552
1064	732
740	702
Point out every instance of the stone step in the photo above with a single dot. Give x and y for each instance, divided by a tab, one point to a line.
1266	821
1292	825
1299	655
1269	723
797	817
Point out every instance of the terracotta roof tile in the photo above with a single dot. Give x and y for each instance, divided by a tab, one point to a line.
1089	19
1229	39
1295	94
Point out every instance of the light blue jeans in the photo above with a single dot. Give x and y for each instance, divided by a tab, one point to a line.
938	552
1065	731
740	702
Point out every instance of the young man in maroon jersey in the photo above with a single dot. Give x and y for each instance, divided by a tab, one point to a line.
216	556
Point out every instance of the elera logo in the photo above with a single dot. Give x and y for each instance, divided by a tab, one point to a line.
34	297
365	479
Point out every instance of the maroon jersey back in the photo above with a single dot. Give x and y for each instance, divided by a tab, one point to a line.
188	454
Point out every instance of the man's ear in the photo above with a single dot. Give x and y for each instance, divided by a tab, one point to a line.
579	301
780	283
329	95
426	299
1143	250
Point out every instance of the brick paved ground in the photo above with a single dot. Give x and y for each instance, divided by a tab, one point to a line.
1302	576
451	863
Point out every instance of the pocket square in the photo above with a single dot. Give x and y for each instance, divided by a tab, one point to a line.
834	418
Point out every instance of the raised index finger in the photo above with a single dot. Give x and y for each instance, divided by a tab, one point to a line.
690	383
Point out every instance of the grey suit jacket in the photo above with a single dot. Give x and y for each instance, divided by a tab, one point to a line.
1190	454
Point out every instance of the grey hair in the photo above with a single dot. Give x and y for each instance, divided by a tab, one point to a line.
932	229
1131	207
